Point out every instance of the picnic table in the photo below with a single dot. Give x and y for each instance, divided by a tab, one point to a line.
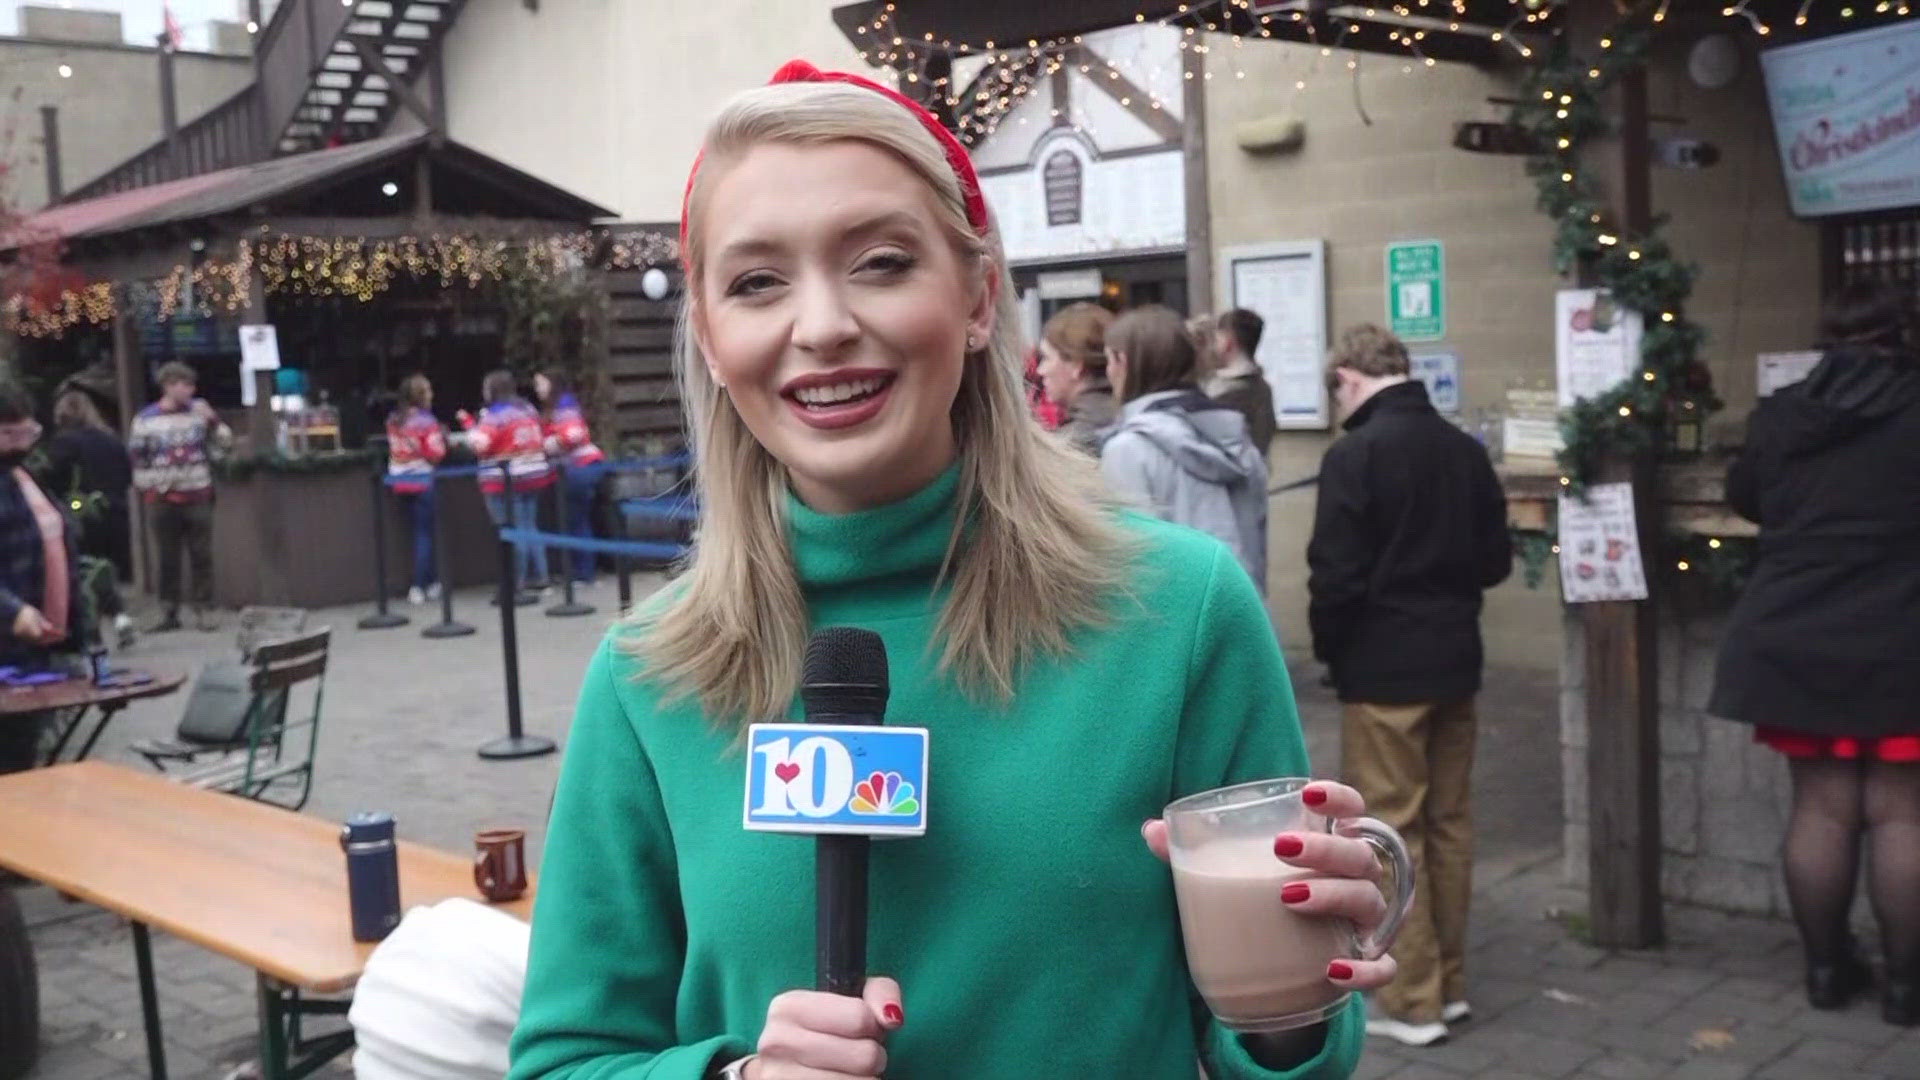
252	882
80	694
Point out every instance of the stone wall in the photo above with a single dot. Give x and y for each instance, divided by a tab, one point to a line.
1723	799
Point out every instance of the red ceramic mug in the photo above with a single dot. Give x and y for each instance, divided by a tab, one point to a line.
500	864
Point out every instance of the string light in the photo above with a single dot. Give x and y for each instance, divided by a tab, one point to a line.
354	267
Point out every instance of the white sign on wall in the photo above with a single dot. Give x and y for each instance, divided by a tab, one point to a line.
1596	343
1600	547
1125	204
259	351
1286	284
1777	370
1441	372
1846	113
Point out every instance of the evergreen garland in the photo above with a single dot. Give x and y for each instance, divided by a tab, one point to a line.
1561	108
278	464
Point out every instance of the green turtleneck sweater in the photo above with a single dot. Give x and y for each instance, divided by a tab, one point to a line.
1032	932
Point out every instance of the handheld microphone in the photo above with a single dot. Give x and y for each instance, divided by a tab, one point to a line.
843	682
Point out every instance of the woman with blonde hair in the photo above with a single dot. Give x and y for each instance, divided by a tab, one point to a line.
851	371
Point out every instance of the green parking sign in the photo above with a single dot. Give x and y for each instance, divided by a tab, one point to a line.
1416	290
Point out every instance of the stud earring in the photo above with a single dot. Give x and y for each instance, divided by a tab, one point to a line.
970	343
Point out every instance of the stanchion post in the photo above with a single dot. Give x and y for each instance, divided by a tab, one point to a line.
623	572
568	607
516	744
446	627
381	619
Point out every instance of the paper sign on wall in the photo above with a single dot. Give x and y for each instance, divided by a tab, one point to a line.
1778	370
1441	372
1596	343
259	351
1600	546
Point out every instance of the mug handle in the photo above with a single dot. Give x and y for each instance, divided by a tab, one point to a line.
1392	850
483	873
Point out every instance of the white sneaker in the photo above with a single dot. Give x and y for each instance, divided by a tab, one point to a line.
416	596
1407	1034
123	629
433	591
1455	1011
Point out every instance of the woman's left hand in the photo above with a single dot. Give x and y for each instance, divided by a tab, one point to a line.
1346	885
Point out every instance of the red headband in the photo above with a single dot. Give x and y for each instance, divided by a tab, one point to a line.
957	159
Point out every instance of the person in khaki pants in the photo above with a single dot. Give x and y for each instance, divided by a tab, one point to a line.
1409	531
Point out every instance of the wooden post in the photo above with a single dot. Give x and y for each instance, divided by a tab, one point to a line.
130	385
260	423
1623	703
1199	206
50	151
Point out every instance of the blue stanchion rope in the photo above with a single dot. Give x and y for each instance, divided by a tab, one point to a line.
452	472
637	549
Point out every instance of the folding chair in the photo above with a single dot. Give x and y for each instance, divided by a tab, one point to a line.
277	755
221	702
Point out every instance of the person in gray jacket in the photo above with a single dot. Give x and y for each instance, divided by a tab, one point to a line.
1189	457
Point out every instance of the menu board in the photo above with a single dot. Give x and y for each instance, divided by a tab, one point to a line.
1286	284
1846	115
1596	343
1600	546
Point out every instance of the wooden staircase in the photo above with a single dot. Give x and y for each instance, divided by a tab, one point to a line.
327	72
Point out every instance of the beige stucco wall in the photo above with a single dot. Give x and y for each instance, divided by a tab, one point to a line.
1358	185
109	109
608	98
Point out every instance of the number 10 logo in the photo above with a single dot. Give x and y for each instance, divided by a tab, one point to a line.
820	778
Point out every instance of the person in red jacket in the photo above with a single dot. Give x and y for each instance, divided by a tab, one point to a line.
508	433
582	465
415	444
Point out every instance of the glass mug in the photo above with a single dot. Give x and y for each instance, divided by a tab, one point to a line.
1261	966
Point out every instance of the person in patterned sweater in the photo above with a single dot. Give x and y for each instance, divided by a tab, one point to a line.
415	444
508	433
582	464
173	442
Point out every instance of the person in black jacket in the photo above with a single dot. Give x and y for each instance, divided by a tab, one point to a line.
1822	652
1410	529
85	457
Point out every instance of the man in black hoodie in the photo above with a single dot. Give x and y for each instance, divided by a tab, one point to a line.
1410	529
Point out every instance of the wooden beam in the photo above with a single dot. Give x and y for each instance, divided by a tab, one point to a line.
1115	84
376	64
1193	101
1622	638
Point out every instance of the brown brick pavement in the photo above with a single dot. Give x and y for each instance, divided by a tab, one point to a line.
1719	1003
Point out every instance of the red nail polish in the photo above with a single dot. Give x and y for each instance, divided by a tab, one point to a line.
1288	846
1340	970
894	1014
1313	796
1294	892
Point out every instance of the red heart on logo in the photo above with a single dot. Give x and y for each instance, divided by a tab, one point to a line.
786	772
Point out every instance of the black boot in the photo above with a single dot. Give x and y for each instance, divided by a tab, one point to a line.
1900	1002
1832	986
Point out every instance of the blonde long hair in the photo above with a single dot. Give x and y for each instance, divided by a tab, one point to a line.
1043	555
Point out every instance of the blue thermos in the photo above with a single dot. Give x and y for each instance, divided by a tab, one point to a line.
373	874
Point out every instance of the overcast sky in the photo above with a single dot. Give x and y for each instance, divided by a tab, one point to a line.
141	20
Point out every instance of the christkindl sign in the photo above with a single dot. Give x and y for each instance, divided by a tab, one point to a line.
1846	110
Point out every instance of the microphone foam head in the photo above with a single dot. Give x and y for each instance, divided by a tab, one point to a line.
845	666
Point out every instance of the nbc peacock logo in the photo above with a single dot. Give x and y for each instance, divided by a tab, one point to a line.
884	795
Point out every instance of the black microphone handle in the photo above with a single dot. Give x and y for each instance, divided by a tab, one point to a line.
840	914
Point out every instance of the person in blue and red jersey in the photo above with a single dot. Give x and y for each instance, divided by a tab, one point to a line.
582	464
415	444
508	431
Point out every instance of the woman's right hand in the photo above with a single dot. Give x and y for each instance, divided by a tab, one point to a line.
32	627
812	1035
